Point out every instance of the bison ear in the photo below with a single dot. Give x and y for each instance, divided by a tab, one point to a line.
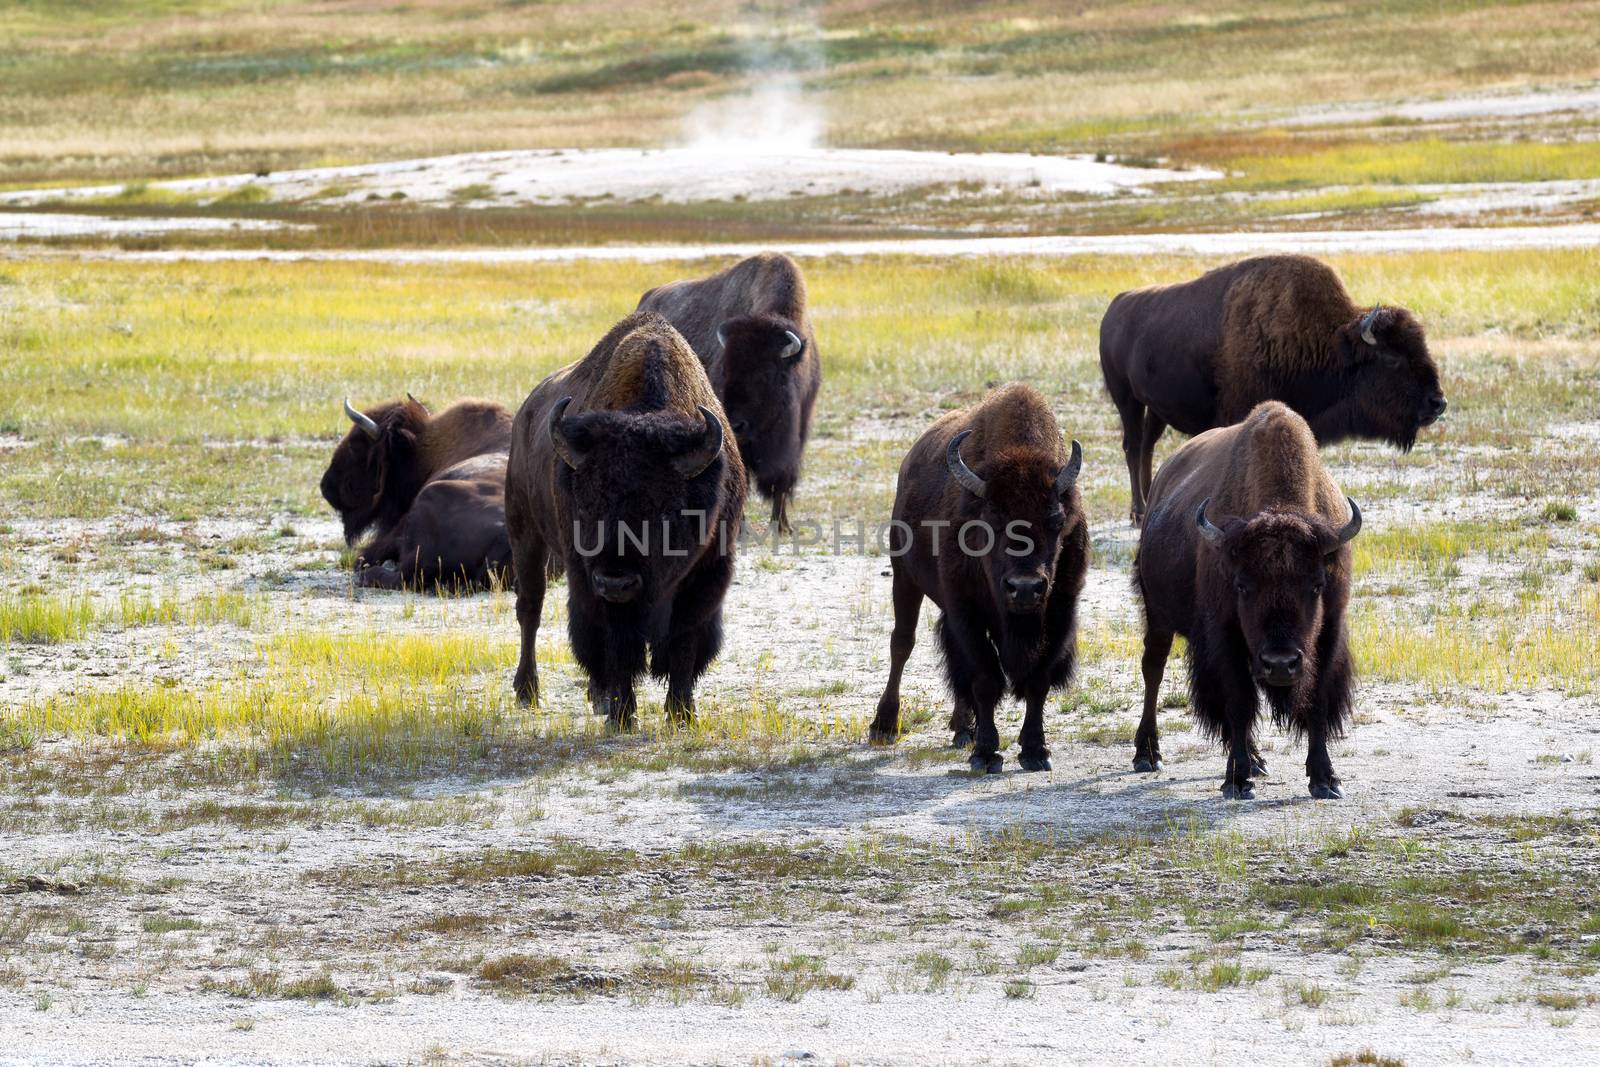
565	447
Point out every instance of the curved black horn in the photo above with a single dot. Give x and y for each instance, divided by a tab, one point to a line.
1352	527
793	349
959	469
360	420
1069	474
722	336
570	454
691	463
1207	530
1367	321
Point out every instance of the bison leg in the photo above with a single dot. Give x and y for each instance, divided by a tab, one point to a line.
529	561
973	667
1329	710
1226	702
885	727
1132	415
1154	427
1146	742
1035	755
780	512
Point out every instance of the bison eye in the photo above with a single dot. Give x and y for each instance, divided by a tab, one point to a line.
1241	587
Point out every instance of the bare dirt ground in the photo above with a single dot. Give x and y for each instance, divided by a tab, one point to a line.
839	905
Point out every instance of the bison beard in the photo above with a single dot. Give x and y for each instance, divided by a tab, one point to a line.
636	498
1008	621
1202	353
1261	599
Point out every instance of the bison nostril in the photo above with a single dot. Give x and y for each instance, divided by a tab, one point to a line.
1281	662
741	426
1024	587
1439	404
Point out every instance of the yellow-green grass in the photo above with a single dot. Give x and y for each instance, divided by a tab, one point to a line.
185	390
1285	161
1542	646
130	90
39	617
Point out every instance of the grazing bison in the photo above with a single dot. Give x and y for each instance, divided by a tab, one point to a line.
1245	552
619	477
750	328
431	488
1202	353
990	527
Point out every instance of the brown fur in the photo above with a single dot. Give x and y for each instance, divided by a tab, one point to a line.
636	400
1277	585
990	646
769	402
1200	354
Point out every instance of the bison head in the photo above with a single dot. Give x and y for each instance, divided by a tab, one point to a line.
644	494
1017	518
372	477
1279	564
1393	379
760	355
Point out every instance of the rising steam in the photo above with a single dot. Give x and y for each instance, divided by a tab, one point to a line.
772	115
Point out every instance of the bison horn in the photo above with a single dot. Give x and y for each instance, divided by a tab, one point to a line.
1069	474
366	424
792	350
1352	527
959	469
1367	322
691	463
570	454
1210	532
722	336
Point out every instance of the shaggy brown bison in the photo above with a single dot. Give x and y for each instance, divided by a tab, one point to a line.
750	328
430	487
1245	552
619	476
1202	353
988	525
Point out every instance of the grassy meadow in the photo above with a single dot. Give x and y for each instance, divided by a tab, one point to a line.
303	821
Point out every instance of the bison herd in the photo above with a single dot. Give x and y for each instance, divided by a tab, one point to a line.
627	472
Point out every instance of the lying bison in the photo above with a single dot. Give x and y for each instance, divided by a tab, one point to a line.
1202	353
750	328
619	477
1245	553
431	488
990	527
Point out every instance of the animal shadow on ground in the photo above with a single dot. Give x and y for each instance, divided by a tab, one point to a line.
881	789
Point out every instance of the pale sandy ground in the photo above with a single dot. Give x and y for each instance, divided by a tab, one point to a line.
676	175
1576	235
804	620
1466	107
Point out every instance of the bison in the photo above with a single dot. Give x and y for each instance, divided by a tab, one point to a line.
623	476
430	487
1245	552
1203	353
750	328
991	528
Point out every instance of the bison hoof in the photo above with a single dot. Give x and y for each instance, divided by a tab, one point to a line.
962	739
1329	790
1037	762
989	764
879	735
1238	791
1146	764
